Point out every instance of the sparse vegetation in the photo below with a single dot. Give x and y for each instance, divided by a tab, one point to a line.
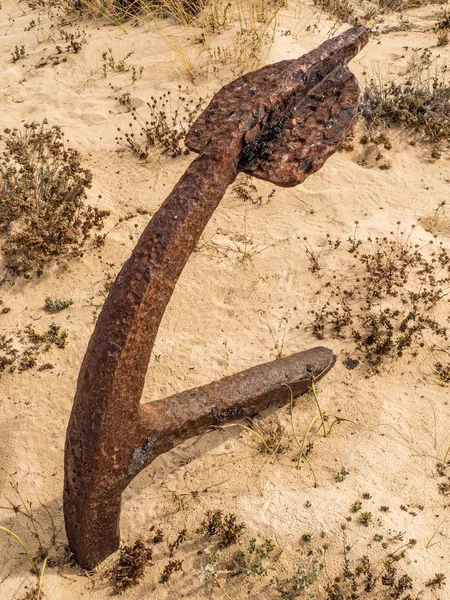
341	10
172	567
37	558
398	273
419	101
253	559
303	578
111	64
247	191
165	127
382	298
70	42
21	351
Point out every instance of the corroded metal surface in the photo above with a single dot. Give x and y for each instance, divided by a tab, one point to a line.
316	126
303	109
248	125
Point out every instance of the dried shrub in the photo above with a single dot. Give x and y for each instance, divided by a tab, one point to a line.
342	10
246	190
130	567
226	526
172	567
442	371
420	101
181	10
165	127
42	193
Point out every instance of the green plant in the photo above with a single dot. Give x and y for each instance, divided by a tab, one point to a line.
23	510
57	305
252	560
24	547
342	474
270	437
303	578
356	506
365	518
42	192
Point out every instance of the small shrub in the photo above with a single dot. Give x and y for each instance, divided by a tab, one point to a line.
18	54
42	192
303	578
226	526
252	561
442	371
171	567
443	37
342	474
57	305
437	581
121	65
164	128
365	518
419	102
247	191
342	10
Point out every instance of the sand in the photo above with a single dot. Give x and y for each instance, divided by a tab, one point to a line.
244	298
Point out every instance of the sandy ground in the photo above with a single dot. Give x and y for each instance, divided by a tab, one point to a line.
244	298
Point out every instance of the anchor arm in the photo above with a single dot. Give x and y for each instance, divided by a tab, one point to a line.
166	423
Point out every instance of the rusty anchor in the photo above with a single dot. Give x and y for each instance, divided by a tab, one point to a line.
279	123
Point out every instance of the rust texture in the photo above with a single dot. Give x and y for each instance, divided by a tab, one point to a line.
279	123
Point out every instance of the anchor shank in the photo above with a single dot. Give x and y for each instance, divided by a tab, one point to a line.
112	375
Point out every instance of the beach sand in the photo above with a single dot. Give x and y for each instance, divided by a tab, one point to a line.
244	298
